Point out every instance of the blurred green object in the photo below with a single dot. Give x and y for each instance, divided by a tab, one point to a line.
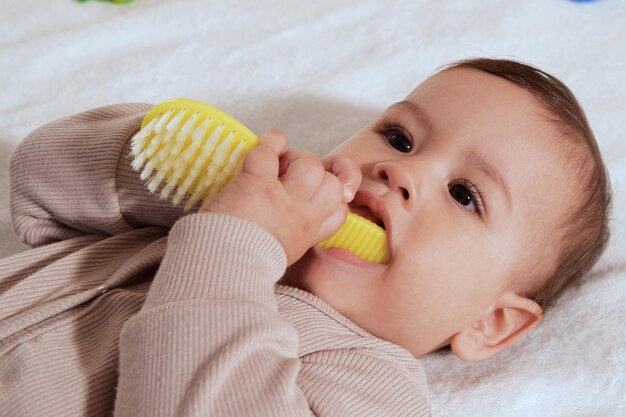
113	1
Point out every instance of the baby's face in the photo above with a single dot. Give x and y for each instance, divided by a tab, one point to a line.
468	179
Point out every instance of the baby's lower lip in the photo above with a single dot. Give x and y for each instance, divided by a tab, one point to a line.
349	257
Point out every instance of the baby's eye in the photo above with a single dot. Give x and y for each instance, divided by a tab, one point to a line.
399	140
466	197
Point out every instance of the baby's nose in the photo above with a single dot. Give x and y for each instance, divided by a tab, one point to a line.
396	178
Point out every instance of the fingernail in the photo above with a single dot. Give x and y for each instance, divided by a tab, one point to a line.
348	192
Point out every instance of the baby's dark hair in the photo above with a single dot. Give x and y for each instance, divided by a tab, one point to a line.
585	229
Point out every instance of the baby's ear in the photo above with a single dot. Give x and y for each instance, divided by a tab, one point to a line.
511	318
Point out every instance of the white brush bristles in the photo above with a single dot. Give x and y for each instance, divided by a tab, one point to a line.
191	153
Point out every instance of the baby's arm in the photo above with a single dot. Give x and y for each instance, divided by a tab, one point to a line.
72	177
208	339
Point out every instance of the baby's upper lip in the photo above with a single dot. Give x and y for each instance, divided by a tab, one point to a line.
378	207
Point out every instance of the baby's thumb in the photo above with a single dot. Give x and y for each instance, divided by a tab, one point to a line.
276	139
348	173
332	224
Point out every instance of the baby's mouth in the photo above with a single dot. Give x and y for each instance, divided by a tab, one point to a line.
365	212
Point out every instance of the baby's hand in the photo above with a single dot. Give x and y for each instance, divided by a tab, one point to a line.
347	171
287	192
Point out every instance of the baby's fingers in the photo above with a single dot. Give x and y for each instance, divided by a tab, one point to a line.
347	171
303	176
276	139
327	201
332	224
263	160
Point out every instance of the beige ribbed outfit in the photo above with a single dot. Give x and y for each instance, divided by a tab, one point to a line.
126	306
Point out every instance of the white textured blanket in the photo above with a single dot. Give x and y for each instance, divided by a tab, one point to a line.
321	70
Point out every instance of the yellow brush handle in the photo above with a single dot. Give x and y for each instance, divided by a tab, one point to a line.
364	238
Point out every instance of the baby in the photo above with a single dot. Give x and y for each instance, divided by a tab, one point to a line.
486	178
494	196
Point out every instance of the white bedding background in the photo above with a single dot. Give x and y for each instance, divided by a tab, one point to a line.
321	70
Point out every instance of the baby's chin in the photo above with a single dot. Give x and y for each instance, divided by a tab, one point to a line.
334	275
351	290
307	273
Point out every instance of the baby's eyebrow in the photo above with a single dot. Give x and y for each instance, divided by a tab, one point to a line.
416	111
473	158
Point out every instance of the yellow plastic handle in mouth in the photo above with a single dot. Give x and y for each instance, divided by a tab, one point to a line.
364	238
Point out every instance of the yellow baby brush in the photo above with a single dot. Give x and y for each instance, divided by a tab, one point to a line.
198	149
193	146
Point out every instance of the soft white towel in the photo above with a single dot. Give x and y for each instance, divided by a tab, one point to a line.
321	70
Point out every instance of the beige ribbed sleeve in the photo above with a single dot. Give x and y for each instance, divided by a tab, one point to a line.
72	177
209	340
